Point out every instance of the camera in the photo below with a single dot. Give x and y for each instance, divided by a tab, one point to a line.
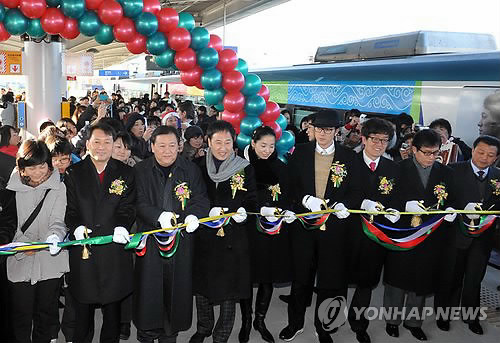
404	146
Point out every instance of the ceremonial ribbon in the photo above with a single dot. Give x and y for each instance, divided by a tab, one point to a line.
476	230
267	227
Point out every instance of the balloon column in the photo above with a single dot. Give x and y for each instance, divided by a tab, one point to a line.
175	41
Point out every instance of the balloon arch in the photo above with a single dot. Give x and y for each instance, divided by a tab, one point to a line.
174	41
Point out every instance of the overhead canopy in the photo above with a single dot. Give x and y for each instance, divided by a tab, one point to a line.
207	13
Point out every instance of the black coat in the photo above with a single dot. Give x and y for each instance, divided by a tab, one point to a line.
222	264
368	256
8	227
270	254
163	286
107	275
415	270
329	248
7	165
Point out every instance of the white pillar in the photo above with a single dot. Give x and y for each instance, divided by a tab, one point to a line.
43	70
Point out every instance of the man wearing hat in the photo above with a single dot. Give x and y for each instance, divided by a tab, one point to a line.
323	174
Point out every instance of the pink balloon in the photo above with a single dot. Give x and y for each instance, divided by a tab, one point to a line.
168	19
110	12
264	92
179	39
191	77
234	102
124	31
152	6
33	8
216	43
4	35
70	30
271	113
233	81
185	59
276	128
93	4
53	21
228	60
137	45
10	3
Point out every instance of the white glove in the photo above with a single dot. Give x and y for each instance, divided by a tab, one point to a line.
79	232
393	218
192	223
269	213
53	240
217	211
289	217
450	217
472	206
313	204
413	206
121	235
370	206
241	215
342	211
165	219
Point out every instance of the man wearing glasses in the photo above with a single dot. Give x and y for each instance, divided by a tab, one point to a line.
323	174
414	273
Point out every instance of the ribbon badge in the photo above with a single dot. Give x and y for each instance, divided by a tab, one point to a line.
338	173
237	182
441	194
275	191
182	192
117	187
386	185
496	186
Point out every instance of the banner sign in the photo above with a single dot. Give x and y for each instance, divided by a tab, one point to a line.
11	63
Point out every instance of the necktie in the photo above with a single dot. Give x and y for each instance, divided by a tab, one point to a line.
480	174
373	165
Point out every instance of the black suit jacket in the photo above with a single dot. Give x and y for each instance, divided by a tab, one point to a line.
107	275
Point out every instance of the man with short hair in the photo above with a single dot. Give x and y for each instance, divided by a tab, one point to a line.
322	173
163	295
101	202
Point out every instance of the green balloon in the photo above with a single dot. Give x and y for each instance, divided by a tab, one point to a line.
53	3
242	66
2	13
211	79
104	35
89	24
252	86
199	38
35	29
15	22
255	105
249	124
285	143
243	140
146	23
186	21
73	8
132	8
157	43
283	159
207	58
282	122
219	107
166	59
213	97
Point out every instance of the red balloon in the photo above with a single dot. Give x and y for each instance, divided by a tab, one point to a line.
233	81
264	92
33	8
53	21
216	43
168	19
234	102
137	45
228	60
185	60
110	12
152	6
4	35
191	77
232	118
93	4
276	128
124	31
70	30
271	113
179	39
10	3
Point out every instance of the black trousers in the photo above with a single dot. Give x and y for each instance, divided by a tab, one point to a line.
34	309
361	299
149	336
6	330
205	314
84	314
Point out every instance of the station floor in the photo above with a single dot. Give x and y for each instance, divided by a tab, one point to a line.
277	320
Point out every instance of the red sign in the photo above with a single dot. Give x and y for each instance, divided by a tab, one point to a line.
70	78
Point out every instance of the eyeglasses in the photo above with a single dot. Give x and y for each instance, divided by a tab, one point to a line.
430	153
327	130
62	160
378	140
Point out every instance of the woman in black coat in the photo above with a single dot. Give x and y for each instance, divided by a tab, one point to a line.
269	253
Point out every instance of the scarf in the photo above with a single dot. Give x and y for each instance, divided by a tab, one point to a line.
27	180
227	169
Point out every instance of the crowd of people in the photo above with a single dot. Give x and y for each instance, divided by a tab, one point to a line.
117	168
